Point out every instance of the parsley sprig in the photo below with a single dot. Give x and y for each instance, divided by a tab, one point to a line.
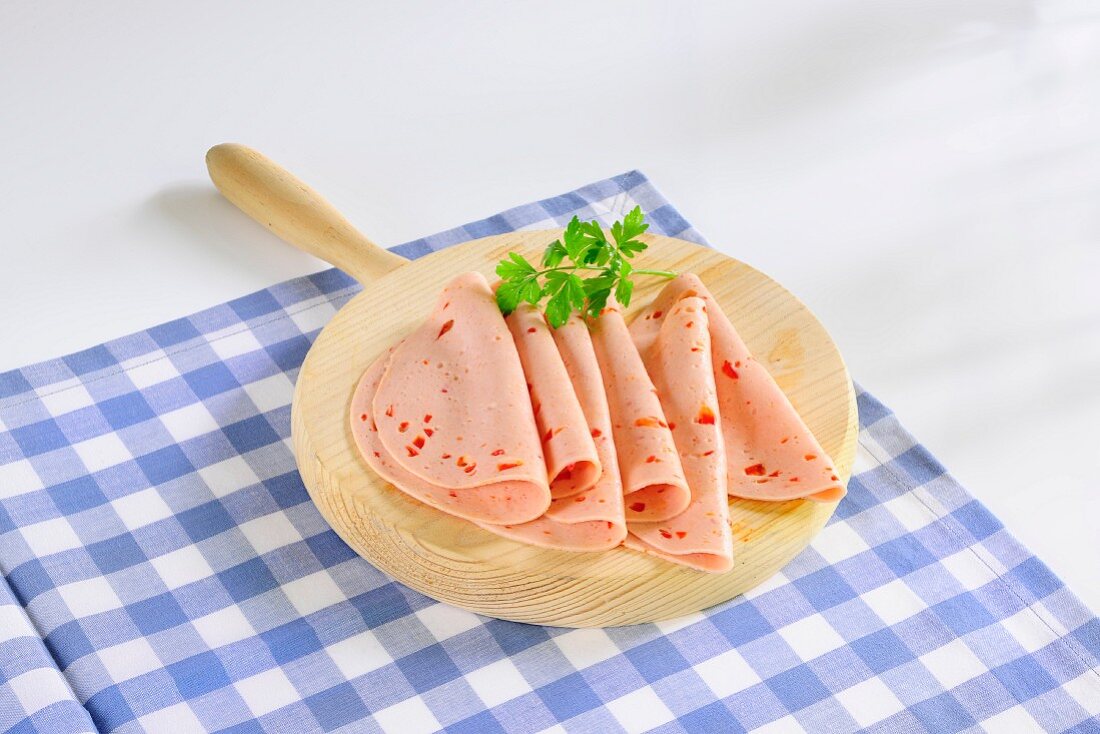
584	248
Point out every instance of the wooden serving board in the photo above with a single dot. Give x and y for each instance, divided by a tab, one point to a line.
456	562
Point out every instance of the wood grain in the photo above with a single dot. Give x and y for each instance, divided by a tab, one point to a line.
455	561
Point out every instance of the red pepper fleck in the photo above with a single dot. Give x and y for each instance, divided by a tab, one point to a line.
665	533
579	498
809	457
650	459
706	416
531	330
423	361
461	461
427	417
446	456
708	453
418	442
389	412
412	451
650	421
737	363
728	370
689	324
785	440
681	534
834	478
498	452
448	303
596	433
774	473
509	465
446	327
363	417
403	427
793	479
756	470
377	455
637	507
444	390
610	524
470	469
429	431
658	314
453	494
671	426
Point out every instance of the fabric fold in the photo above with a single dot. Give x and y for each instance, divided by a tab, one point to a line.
32	684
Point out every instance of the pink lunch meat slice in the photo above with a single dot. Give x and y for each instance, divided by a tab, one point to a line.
452	405
498	502
591	520
679	362
571	460
654	486
770	453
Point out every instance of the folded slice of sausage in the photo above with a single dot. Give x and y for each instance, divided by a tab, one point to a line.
653	481
452	408
771	454
500	502
591	520
571	460
679	362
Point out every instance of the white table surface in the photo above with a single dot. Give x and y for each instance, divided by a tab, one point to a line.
924	174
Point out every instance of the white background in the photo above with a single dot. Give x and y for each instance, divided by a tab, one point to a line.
925	174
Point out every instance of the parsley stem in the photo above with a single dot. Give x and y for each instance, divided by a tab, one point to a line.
658	273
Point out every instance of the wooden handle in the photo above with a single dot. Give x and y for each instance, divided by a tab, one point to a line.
272	196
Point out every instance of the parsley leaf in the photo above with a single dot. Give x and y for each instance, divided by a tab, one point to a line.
508	296
625	287
553	256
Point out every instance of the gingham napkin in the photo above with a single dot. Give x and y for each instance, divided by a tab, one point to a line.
166	572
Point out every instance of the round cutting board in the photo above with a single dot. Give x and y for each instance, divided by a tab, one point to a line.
456	562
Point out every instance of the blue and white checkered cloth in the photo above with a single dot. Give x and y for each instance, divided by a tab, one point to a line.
165	571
